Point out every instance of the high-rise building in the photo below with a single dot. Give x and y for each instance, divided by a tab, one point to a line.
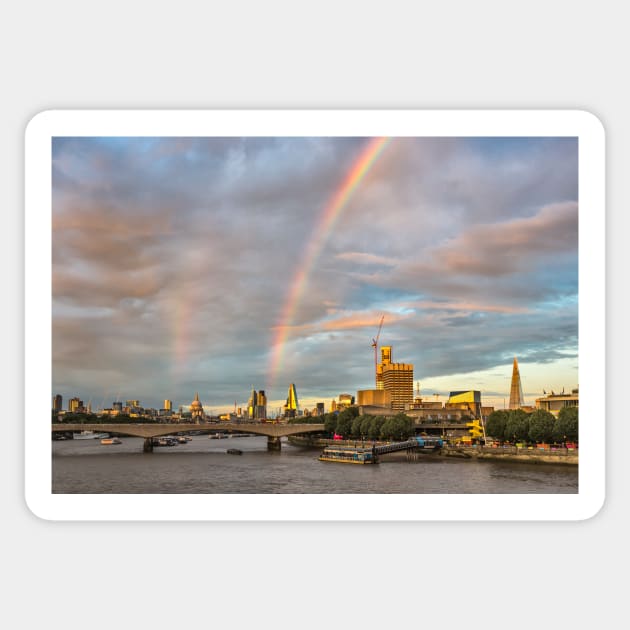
168	405
57	402
257	405
398	381
291	406
117	406
516	390
386	359
74	404
251	404
261	405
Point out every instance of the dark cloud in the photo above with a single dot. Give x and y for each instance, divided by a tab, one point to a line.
173	259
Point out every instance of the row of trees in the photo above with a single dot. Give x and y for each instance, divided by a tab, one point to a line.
539	426
349	424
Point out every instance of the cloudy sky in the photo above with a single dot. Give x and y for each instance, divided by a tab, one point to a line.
218	264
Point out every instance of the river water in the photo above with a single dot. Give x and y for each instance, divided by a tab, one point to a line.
202	466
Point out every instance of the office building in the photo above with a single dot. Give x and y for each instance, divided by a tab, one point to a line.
398	381
386	359
291	406
257	405
168	405
75	405
57	402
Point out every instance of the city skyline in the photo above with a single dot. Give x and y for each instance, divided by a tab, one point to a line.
185	265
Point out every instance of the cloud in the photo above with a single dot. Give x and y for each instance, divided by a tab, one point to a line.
174	258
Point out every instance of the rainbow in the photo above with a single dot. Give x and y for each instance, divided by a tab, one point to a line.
360	168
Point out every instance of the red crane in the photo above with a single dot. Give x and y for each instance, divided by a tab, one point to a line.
375	346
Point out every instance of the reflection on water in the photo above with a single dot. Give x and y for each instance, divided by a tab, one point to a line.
202	466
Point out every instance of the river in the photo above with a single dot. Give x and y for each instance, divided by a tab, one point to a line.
202	466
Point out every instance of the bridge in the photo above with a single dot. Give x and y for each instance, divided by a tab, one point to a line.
273	431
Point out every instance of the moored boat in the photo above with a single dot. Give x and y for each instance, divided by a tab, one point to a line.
89	435
348	455
111	440
234	451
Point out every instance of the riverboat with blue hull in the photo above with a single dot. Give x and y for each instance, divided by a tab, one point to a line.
348	455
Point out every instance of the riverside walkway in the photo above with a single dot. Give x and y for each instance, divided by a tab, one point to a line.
148	431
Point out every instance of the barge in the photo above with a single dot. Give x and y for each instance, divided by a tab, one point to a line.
348	455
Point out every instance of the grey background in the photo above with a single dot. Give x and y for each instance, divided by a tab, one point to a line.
323	55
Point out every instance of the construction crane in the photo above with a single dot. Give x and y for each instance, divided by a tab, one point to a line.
375	346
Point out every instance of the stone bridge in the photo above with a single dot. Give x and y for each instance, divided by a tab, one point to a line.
273	431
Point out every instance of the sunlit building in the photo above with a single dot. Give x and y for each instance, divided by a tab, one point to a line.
398	381
75	405
465	400
57	402
257	405
386	359
196	409
291	407
374	398
553	402
516	390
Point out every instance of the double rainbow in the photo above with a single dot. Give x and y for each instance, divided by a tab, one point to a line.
359	169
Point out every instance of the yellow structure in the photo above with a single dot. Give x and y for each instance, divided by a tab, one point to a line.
374	398
386	359
469	400
475	429
398	381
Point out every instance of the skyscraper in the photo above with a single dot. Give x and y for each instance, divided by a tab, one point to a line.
291	406
516	391
57	402
398	381
386	359
257	405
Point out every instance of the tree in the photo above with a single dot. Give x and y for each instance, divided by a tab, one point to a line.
345	420
330	422
376	423
357	423
541	426
566	427
517	425
495	424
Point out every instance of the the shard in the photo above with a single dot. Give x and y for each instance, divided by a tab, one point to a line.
516	390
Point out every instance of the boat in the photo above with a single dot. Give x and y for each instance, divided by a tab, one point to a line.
217	436
234	451
89	435
164	441
111	440
348	455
